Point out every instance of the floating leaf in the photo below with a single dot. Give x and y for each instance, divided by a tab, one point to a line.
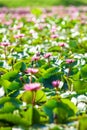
10	75
40	97
27	97
14	119
7	108
83	124
20	66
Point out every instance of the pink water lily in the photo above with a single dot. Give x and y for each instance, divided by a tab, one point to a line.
4	44
16	27
8	22
68	61
31	70
19	36
56	83
62	44
54	36
35	58
40	26
53	29
32	86
47	55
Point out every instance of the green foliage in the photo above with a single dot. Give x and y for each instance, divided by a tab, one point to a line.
10	75
62	109
80	86
83	124
3	71
19	66
10	86
40	97
34	116
7	108
28	115
13	119
49	75
71	105
55	49
56	128
5	128
16	3
14	85
79	80
50	72
27	97
84	72
5	83
11	100
36	11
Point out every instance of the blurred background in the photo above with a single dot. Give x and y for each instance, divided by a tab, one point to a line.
41	3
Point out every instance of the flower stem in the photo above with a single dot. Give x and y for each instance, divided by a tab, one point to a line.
5	52
48	61
33	97
56	91
31	78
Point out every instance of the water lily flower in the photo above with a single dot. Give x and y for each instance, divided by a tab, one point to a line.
31	31
31	70
38	54
35	58
56	83
4	44
40	26
53	29
16	27
68	61
62	44
54	36
32	86
8	22
47	55
19	36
